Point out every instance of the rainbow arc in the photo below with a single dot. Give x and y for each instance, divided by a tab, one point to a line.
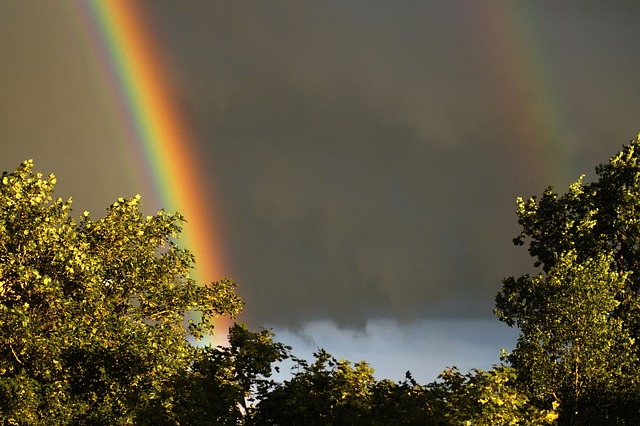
140	83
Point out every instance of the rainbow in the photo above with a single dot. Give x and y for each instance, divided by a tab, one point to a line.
513	53
158	131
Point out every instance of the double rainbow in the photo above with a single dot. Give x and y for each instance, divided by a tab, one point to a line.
138	77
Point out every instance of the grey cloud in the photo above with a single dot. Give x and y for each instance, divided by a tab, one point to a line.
367	159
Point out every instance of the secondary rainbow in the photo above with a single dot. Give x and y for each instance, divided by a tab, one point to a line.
524	83
135	68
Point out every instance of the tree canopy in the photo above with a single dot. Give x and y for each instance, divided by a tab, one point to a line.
98	317
92	312
580	316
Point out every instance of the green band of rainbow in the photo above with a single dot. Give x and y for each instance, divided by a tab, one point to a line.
157	128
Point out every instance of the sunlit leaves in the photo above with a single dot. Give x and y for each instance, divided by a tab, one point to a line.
580	317
488	398
92	311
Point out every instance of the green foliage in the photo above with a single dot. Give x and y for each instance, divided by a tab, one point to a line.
329	391
96	318
221	385
406	403
487	398
332	392
580	317
571	344
223	382
92	312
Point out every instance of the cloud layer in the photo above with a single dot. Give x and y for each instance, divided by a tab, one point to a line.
367	159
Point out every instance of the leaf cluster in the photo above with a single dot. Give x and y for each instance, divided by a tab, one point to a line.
92	311
580	316
337	392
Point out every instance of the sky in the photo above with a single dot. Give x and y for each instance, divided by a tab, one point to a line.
363	157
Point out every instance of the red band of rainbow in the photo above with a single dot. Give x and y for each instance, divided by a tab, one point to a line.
137	75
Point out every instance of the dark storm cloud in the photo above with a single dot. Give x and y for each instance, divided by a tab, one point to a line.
367	156
362	154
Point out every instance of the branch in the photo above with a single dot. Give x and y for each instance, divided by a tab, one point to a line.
15	355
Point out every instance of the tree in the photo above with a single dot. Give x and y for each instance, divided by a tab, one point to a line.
486	398
407	403
580	316
336	392
326	392
222	384
92	312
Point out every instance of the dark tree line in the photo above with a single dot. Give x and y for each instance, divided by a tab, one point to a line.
93	315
